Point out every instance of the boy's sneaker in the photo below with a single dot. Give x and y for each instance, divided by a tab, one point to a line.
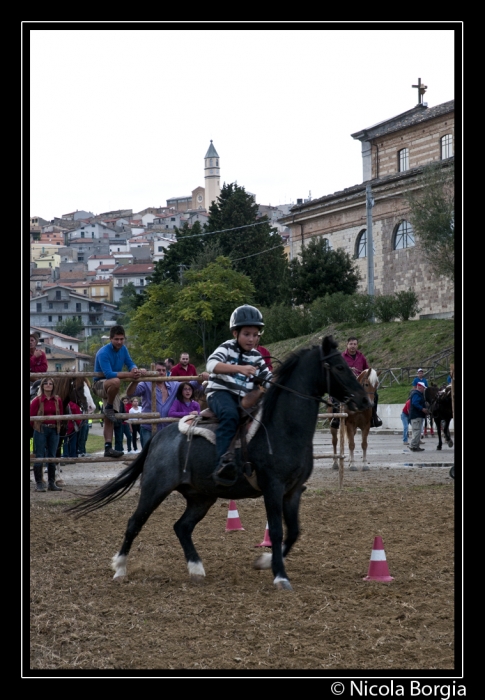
417	449
109	452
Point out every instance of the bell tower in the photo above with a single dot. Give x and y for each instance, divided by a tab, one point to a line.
211	175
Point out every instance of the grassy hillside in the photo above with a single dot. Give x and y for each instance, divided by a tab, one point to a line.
386	345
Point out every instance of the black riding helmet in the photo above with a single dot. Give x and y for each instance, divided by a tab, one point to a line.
246	315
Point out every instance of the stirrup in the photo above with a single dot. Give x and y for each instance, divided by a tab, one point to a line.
227	460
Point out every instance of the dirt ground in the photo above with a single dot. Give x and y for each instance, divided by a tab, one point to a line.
157	622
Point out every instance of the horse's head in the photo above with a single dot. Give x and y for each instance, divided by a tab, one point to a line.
341	382
369	380
33	388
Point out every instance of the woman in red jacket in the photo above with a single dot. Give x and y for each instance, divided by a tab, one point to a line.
38	359
46	433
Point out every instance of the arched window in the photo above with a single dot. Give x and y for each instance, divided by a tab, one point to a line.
361	244
404	236
403	159
446	146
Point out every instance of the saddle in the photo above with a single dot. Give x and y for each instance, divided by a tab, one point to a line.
206	424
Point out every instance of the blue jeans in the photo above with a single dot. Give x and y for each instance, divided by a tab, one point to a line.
82	436
145	435
69	448
225	405
119	431
405	427
45	443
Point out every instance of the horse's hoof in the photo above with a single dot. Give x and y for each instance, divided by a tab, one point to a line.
353	469
196	579
365	468
450	443
438	447
335	467
283	584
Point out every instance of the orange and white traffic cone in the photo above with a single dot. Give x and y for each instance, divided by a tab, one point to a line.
378	569
267	540
233	522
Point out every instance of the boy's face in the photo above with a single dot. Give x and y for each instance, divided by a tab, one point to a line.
247	337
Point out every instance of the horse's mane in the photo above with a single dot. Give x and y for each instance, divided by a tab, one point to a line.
281	376
373	378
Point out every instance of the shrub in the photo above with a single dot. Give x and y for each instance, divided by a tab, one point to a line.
282	322
361	307
385	308
406	304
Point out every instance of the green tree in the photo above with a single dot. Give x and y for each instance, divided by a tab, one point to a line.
432	215
130	300
198	319
180	255
255	248
148	339
320	272
70	326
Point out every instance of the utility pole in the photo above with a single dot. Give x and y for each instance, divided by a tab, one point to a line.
182	267
369	203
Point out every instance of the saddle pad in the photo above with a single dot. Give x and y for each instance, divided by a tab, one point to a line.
208	431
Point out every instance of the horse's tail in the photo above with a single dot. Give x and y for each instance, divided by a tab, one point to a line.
113	490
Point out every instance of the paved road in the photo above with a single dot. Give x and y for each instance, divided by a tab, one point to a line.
385	449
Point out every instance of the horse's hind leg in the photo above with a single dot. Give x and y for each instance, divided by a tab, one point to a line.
146	505
447	433
197	508
365	466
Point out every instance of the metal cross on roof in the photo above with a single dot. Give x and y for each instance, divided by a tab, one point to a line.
421	90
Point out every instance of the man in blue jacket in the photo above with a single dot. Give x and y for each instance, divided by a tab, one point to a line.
110	360
417	413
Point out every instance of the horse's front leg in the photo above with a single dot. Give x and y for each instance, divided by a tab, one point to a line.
334	433
365	433
438	430
273	500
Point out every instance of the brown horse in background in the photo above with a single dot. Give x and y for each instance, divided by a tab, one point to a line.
362	420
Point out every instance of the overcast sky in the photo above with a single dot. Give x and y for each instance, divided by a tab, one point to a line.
122	117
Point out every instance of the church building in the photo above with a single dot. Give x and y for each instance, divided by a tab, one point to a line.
394	152
202	197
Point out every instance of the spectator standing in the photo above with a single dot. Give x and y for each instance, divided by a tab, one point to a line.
69	443
46	433
122	429
169	363
82	437
135	410
38	358
184	404
405	421
417	412
421	378
183	368
110	360
165	394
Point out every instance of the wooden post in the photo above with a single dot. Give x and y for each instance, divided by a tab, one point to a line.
343	409
154	398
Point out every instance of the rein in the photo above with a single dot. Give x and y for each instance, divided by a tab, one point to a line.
328	372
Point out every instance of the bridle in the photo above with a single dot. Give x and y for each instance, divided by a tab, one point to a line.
329	371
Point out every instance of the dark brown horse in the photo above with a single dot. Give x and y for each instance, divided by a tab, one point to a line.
362	420
440	411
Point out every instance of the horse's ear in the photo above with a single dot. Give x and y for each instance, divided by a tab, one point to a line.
328	344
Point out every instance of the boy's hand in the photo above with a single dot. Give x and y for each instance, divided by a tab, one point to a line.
247	370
